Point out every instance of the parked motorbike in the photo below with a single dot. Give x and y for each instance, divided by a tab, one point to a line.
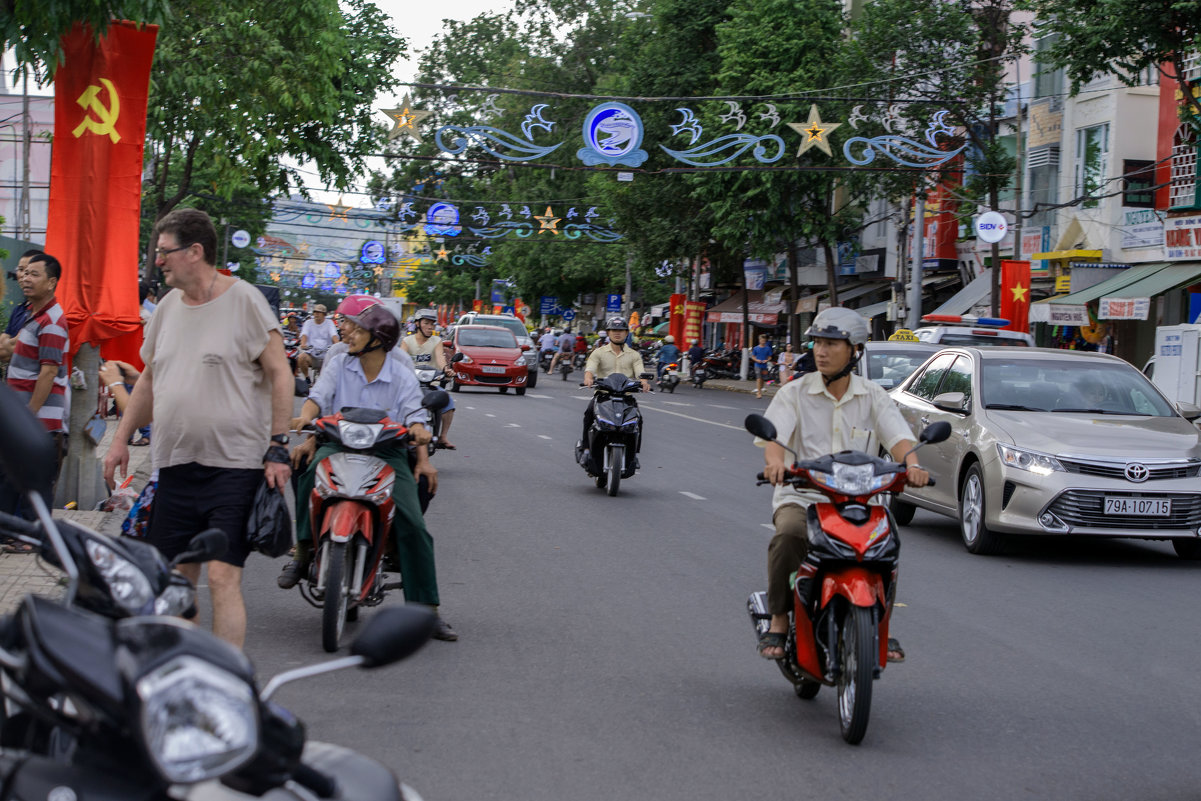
838	629
725	364
352	509
614	439
670	377
150	707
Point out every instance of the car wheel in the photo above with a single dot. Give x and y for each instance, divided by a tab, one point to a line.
533	382
520	390
1187	548
902	512
503	390
977	537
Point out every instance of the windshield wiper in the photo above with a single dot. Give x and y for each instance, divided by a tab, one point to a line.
1100	411
1011	407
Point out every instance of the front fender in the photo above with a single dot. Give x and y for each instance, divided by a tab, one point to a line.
344	518
859	586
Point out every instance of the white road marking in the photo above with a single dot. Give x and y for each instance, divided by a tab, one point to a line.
719	406
692	495
768	525
486	414
543	436
582	397
513	425
528	395
677	403
690	417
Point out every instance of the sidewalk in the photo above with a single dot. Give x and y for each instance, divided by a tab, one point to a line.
21	574
734	385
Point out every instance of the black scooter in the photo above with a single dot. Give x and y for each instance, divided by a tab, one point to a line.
615	436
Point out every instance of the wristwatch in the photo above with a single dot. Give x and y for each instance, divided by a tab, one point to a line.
279	439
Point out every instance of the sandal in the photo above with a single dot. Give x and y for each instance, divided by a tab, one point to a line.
772	639
446	446
142	441
895	652
17	547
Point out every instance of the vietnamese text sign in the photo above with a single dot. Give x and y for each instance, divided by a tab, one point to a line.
1182	238
1046	126
1142	229
1067	315
1124	308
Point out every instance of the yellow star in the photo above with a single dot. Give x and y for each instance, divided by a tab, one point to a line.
442	253
377	270
336	211
548	220
275	277
815	131
1019	294
406	118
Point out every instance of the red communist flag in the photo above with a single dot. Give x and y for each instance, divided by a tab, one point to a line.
100	93
1015	294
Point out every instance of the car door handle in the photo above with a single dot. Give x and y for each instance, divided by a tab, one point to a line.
925	421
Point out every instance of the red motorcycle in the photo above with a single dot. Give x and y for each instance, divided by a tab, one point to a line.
838	628
352	510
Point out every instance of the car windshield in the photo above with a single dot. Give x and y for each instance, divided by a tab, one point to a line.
480	338
513	325
892	367
980	340
1086	386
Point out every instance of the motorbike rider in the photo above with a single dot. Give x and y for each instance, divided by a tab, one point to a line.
614	357
696	354
565	346
426	347
547	343
668	354
366	377
316	335
823	412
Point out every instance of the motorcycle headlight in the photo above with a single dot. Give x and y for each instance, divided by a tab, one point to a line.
852	479
128	584
358	435
426	376
1038	463
175	600
198	721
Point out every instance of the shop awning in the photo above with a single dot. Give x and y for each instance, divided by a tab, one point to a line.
963	300
730	309
1107	287
874	310
1066	254
1133	301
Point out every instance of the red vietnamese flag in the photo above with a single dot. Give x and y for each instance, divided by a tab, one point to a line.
1015	294
100	94
676	318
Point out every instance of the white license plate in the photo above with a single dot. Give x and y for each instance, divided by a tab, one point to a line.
1145	507
491	368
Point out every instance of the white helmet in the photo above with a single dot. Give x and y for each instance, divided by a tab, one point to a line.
838	322
669	340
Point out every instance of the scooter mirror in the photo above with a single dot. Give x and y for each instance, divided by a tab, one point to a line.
28	455
458	357
393	634
760	426
204	547
436	400
936	432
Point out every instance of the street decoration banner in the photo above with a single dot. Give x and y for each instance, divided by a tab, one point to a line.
1124	309
1015	294
100	89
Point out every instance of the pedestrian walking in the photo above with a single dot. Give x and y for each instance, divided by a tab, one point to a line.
219	390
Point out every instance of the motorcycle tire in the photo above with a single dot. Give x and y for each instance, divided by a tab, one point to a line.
902	512
672	389
614	472
601	481
338	573
565	373
806	689
857	658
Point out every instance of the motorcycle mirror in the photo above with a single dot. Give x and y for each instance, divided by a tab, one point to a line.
393	634
28	455
204	547
936	432
436	400
458	357
760	426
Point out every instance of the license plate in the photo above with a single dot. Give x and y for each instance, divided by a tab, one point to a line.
491	368
1143	507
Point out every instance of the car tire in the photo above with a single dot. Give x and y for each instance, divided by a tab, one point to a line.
520	390
1187	548
901	512
533	382
504	390
977	537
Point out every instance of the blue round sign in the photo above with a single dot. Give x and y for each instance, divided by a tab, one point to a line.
568	315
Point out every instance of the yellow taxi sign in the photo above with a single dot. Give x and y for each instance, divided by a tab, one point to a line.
903	335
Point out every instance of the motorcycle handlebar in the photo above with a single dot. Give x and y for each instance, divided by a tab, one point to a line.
761	479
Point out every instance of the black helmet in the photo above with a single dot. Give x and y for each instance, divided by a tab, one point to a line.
380	323
616	323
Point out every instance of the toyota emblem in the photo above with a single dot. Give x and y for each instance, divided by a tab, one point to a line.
1137	472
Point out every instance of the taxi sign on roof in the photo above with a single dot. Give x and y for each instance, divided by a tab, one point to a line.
903	335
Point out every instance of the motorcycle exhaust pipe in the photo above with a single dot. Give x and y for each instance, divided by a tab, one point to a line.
756	607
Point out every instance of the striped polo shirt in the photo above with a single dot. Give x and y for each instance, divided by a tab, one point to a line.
43	340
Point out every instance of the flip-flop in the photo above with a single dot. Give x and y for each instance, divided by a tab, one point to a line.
772	639
447	446
17	547
142	441
894	647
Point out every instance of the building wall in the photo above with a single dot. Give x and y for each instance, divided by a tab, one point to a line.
41	112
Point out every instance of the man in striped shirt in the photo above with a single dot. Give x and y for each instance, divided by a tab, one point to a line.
38	369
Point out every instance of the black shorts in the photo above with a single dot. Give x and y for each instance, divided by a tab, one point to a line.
192	498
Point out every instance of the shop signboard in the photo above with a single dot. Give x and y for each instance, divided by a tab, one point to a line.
1066	315
1124	308
1182	238
1142	228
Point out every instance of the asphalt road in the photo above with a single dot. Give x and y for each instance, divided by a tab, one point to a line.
605	651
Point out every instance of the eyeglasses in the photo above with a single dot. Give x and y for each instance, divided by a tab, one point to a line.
160	253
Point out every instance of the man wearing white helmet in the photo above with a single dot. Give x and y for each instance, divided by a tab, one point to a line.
668	353
823	412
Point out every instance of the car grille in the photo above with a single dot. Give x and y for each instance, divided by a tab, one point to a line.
493	379
1087	508
1111	470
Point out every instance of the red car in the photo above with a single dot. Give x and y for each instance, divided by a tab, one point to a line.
488	356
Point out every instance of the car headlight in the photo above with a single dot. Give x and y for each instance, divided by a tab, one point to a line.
852	479
358	435
1038	463
465	360
176	600
520	362
128	584
198	721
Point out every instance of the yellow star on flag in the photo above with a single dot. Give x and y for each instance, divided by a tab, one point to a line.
549	221
815	131
1019	294
405	120
442	253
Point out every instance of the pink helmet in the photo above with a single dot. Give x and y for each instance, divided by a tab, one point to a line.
354	305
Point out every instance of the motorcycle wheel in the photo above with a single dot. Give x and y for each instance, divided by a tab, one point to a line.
614	472
565	373
600	482
806	690
672	389
856	663
337	596
902	512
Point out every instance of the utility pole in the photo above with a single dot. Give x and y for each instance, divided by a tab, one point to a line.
25	227
914	300
627	297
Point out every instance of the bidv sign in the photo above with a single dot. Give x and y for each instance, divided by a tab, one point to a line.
991	227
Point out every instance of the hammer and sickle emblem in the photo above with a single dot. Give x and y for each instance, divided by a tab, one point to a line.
106	118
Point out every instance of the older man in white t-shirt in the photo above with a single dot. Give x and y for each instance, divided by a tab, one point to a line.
316	336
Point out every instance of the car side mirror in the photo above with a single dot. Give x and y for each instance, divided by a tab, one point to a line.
936	432
1189	411
951	402
525	347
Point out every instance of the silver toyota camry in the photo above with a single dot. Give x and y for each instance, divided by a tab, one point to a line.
1053	442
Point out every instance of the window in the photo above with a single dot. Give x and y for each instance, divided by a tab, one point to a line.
1138	176
1044	191
926	384
1047	82
1092	163
1183	191
959	379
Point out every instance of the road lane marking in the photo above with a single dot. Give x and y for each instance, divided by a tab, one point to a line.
538	396
486	414
768	525
677	403
543	436
693	496
719	406
513	425
582	397
690	417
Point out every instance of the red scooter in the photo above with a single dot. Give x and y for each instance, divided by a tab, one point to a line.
838	631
